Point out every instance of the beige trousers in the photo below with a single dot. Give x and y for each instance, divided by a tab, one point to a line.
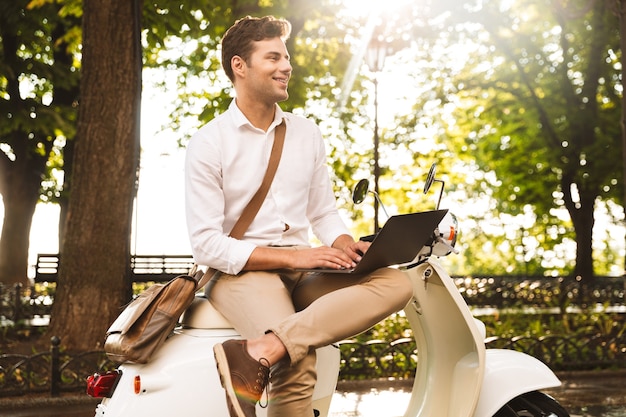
306	311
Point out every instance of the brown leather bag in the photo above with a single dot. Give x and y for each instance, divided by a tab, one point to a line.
149	319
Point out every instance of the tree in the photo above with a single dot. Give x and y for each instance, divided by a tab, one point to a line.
95	255
38	95
567	86
533	99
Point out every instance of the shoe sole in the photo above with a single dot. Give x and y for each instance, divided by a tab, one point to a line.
224	372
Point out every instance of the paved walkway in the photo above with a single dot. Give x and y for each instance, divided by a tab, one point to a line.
589	393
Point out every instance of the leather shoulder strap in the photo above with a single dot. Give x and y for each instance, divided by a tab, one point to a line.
257	200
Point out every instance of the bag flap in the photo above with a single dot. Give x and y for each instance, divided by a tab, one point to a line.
135	309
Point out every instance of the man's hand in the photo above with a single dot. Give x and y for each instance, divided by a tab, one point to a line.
344	254
322	257
355	250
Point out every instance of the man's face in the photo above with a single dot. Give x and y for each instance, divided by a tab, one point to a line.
266	74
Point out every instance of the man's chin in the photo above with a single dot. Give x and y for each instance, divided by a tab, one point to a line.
284	97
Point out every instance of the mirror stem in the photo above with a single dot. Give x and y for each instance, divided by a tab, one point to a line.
380	203
440	191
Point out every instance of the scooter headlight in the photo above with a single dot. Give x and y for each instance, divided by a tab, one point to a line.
447	233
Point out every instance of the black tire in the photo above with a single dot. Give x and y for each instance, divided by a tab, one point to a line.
532	404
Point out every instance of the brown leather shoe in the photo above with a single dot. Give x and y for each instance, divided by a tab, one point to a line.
243	377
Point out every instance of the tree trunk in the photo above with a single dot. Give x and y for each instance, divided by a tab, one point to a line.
582	214
20	191
94	273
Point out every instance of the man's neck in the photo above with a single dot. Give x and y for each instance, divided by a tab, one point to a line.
259	114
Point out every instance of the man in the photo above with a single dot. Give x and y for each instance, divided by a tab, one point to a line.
284	314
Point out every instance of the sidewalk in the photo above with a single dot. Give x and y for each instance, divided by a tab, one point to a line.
582	394
584	389
68	405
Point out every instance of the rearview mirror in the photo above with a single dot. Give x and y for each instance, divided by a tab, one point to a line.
360	191
430	178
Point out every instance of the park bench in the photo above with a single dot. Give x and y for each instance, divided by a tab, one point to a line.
145	268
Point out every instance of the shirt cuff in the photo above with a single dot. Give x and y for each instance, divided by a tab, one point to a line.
241	252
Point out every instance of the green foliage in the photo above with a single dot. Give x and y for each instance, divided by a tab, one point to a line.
587	340
38	87
541	116
394	327
509	325
525	100
536	325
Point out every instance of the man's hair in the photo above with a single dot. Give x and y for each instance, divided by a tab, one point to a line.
239	39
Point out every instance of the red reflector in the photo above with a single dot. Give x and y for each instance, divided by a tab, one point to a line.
137	384
102	385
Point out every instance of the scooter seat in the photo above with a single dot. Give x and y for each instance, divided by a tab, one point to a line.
202	315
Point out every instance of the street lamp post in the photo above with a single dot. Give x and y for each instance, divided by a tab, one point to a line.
375	59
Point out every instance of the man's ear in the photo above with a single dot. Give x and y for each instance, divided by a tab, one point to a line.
238	65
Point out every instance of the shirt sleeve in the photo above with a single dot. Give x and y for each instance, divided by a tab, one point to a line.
204	209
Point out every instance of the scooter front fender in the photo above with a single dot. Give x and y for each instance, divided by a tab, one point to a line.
509	373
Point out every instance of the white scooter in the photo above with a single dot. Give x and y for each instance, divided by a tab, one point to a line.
455	376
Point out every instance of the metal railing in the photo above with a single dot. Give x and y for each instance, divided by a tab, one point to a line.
376	359
56	372
52	372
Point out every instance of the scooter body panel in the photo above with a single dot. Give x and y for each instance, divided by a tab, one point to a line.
183	376
450	346
509	373
456	376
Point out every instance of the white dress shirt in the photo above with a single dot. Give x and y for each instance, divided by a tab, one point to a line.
225	164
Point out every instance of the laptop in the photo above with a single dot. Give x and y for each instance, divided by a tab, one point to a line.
397	242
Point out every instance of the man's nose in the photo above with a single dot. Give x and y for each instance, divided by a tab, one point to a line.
286	66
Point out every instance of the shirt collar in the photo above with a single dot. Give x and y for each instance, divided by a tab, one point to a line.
241	120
